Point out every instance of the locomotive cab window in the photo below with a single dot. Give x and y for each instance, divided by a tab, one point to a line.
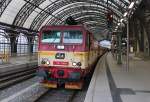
74	37
51	37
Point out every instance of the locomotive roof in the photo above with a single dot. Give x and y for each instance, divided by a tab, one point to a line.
63	27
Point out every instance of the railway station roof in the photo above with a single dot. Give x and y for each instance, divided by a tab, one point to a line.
33	14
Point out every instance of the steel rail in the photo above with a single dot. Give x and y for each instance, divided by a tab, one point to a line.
14	78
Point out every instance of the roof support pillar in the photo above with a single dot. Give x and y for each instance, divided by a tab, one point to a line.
30	45
13	45
119	55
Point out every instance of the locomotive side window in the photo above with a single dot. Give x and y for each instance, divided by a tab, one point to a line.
88	40
73	37
51	37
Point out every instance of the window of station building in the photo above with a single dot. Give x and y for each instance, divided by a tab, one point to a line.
22	45
35	44
4	43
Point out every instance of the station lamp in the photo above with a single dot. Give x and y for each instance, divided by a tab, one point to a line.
125	14
131	5
121	20
119	24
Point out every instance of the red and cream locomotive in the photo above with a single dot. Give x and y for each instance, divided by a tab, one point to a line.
66	55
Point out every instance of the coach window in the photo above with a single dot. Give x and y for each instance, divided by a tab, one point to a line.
4	42
22	45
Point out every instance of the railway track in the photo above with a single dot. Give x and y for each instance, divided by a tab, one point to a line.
13	77
58	95
64	95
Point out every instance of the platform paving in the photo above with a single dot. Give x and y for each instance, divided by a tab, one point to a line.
134	84
114	83
98	90
18	62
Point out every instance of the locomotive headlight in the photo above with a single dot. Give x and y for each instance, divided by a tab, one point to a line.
47	62
79	64
74	63
43	62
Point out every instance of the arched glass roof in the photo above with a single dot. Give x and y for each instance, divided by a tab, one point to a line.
33	14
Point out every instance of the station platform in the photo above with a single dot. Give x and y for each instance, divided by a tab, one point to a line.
114	83
17	63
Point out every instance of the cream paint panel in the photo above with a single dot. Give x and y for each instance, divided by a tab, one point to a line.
69	57
11	11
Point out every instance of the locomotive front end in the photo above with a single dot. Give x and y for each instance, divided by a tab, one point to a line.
62	57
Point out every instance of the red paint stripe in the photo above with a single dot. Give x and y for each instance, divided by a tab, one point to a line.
60	63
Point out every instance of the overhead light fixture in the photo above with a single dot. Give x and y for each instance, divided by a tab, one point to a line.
119	24
138	2
131	5
125	14
121	20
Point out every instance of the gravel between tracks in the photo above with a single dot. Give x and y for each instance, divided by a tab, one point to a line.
22	92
